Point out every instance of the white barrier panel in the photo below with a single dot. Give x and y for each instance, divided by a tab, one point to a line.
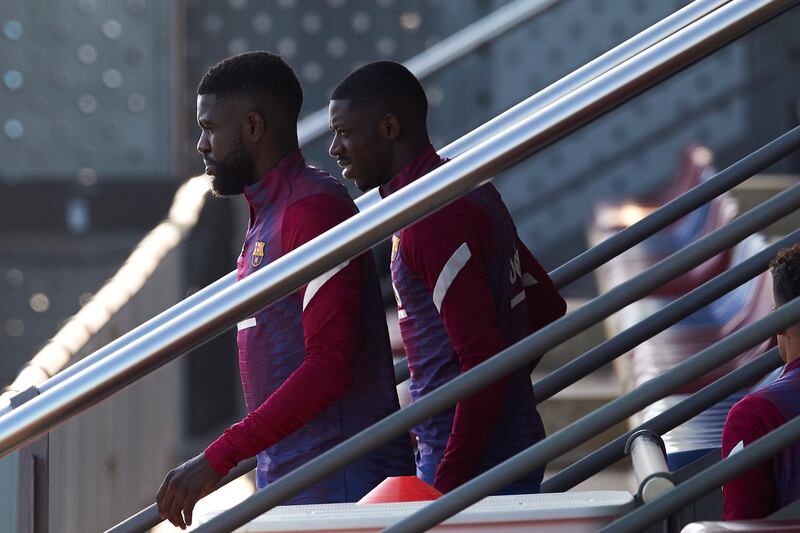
567	512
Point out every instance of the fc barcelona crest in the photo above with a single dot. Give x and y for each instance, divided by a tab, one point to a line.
395	246
258	253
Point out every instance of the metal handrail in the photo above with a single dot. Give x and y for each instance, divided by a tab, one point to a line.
714	476
668	315
649	460
580	265
671	418
595	422
373	225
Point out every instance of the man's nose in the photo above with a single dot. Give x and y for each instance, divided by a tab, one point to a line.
335	148
202	144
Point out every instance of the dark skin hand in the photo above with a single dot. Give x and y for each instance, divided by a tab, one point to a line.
183	487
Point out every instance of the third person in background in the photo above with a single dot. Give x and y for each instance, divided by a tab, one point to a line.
775	483
466	285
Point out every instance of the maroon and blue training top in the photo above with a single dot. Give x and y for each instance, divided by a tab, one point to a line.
773	484
466	288
316	366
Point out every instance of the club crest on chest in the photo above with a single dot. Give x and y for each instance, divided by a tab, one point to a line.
395	247
258	253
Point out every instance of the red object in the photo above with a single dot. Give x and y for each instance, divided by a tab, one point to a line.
401	489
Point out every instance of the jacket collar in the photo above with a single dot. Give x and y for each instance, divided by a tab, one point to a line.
265	190
426	161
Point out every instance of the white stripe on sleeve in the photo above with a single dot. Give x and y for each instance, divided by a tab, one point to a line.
449	273
317	283
528	280
518	298
246	323
739	447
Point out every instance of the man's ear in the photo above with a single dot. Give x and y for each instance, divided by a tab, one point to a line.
391	127
792	333
255	126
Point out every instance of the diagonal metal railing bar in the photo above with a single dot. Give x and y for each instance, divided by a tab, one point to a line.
308	133
668	315
676	415
365	229
675	209
516	356
597	421
712	477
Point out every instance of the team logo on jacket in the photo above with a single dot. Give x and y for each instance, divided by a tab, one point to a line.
395	246
258	253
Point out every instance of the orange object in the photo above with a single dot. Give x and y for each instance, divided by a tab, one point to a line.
401	489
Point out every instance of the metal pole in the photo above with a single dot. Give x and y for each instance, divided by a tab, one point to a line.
591	70
361	231
595	422
648	456
706	481
675	209
669	419
676	310
33	494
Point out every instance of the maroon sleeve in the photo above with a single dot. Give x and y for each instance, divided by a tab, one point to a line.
545	304
751	495
331	318
468	312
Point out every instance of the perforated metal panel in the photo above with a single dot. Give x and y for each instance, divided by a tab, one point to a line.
85	90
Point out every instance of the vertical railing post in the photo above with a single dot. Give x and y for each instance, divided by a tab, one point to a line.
34	478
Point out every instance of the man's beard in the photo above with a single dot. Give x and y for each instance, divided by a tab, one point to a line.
233	174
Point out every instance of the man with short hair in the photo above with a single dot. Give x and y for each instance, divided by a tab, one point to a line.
466	285
316	366
775	483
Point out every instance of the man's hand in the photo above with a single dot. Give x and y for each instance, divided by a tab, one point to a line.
182	488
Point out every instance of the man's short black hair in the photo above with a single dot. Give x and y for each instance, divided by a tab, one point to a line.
261	75
387	83
785	269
